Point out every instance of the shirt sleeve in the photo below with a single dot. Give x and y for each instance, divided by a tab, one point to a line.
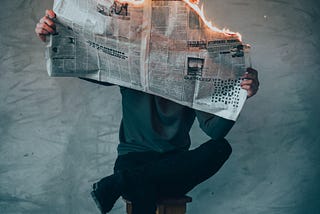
214	126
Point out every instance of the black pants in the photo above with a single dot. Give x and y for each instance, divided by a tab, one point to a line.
153	175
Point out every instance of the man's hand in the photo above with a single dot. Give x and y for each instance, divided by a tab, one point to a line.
250	82
46	25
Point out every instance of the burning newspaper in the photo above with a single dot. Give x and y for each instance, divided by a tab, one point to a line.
162	47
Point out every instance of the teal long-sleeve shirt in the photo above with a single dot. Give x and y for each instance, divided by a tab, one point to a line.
152	123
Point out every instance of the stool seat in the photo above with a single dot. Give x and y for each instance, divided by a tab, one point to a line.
170	205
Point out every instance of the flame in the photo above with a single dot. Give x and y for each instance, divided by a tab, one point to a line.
194	4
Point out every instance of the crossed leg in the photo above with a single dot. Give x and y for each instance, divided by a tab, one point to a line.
144	177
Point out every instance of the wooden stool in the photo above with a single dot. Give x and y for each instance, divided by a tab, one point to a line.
167	206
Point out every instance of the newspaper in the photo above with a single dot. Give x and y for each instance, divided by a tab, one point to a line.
161	47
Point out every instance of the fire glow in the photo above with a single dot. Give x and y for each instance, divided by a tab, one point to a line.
194	4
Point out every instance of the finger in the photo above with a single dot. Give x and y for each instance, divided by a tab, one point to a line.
249	90
246	82
50	14
250	94
47	21
42	33
246	87
253	85
246	76
46	27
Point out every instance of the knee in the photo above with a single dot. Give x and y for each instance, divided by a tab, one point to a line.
221	148
227	148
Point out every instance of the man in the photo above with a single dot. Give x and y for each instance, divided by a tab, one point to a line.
154	159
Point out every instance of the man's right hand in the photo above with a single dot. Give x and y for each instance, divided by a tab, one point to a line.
46	25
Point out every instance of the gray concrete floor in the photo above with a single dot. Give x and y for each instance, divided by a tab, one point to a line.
58	135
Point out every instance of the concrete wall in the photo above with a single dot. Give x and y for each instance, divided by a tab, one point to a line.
58	135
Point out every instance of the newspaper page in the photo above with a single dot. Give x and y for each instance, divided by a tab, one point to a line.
161	47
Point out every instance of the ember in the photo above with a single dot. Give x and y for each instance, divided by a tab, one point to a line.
194	4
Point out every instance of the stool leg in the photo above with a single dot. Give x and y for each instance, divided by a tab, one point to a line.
175	209
160	209
129	208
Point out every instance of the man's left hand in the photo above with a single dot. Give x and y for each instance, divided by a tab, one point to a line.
250	82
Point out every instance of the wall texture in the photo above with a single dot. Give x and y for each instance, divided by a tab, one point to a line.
59	135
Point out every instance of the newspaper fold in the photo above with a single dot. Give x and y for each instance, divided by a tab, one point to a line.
161	47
